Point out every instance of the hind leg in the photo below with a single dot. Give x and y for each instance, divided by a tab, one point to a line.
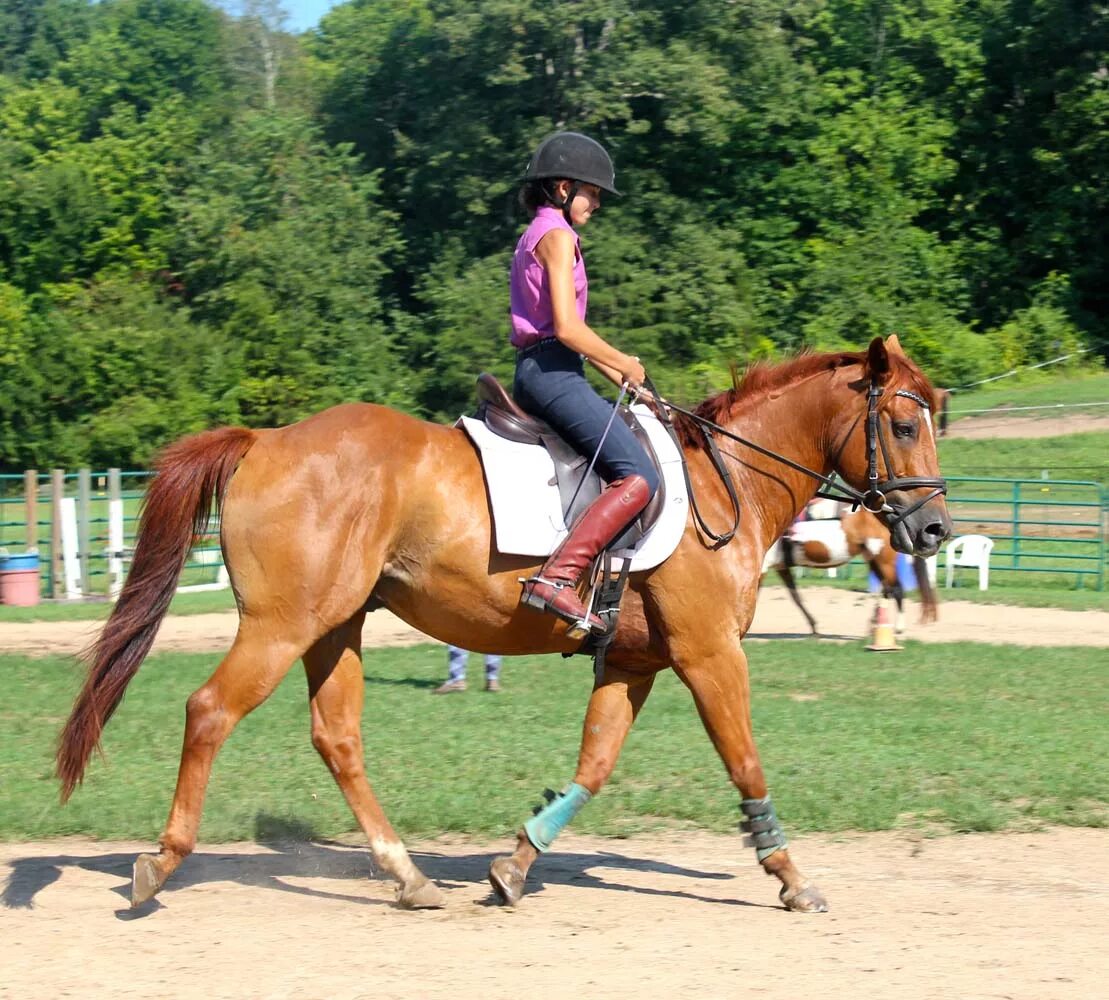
613	707
335	687
895	592
884	566
244	679
787	578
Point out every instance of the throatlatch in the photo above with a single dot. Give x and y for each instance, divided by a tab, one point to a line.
550	820
761	826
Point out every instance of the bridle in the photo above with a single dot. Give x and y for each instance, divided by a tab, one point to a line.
873	498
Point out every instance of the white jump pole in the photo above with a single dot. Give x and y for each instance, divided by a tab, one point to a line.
115	548
71	560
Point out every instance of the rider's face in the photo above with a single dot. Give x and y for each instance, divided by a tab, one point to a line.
585	203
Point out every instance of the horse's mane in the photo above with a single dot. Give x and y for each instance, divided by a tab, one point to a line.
764	377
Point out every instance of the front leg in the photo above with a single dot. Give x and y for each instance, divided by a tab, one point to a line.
719	685
613	707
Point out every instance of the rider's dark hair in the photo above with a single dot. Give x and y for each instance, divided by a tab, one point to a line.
535	194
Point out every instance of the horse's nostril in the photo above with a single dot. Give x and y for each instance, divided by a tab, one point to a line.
937	530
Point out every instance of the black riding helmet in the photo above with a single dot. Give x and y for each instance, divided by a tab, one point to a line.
576	158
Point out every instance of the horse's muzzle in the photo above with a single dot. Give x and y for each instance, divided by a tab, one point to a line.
922	532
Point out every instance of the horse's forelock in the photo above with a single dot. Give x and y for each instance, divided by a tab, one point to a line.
908	376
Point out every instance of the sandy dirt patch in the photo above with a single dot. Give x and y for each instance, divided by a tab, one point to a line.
840	614
1018	916
998	424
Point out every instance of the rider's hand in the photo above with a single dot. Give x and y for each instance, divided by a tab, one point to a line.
632	372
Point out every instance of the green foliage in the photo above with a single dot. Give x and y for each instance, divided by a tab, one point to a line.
279	246
317	219
109	360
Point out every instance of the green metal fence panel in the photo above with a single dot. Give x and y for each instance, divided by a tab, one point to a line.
1043	526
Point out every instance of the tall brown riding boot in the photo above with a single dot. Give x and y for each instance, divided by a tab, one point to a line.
553	587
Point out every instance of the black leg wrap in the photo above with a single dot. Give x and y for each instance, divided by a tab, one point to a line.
761	826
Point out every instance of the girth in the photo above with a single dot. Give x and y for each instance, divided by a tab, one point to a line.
503	416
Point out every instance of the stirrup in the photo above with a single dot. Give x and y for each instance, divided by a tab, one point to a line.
579	627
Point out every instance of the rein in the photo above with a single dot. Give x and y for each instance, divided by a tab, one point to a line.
872	499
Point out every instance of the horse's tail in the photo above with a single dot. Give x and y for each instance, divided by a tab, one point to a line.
191	474
928	604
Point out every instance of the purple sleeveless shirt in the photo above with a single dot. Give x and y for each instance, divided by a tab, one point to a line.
529	291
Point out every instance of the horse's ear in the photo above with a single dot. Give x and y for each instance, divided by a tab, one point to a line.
877	358
893	345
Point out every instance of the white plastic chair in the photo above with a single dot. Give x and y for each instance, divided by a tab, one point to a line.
969	550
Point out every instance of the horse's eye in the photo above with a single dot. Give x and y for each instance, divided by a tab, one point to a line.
903	430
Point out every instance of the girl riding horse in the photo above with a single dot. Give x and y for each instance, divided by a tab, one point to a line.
362	507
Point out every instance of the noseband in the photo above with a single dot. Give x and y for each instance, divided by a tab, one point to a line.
873	499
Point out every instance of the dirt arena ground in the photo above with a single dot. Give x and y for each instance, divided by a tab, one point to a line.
989	916
841	615
999	423
1018	916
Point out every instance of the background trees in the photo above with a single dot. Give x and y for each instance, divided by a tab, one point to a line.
205	219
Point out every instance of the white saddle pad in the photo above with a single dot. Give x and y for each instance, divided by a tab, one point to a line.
527	513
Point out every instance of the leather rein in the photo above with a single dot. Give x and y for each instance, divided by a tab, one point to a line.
873	498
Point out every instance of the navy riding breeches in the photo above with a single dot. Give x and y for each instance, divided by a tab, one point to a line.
551	385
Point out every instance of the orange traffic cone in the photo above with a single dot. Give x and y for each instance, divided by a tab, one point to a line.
883	639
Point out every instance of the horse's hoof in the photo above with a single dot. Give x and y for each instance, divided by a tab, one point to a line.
507	880
425	895
806	898
146	879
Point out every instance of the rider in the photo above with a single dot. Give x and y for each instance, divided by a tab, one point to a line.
548	290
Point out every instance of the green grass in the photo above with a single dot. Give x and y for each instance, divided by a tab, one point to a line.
1073	456
938	737
98	610
1042	388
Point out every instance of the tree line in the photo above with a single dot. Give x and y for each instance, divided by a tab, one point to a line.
207	219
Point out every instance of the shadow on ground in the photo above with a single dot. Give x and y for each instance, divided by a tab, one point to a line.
295	853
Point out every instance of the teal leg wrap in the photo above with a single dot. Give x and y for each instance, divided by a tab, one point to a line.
549	820
762	828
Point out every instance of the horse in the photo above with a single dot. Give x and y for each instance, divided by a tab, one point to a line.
942	410
360	506
850	534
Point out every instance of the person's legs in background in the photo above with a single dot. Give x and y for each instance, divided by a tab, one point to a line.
492	672
456	671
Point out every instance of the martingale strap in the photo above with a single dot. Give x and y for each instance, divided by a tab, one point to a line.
761	826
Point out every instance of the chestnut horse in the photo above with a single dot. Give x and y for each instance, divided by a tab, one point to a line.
863	535
360	507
